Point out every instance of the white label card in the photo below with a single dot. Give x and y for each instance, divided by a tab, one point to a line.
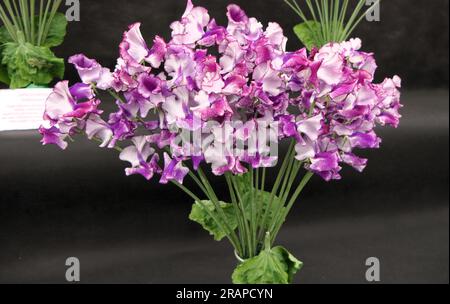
22	109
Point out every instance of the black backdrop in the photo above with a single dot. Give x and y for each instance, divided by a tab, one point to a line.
57	204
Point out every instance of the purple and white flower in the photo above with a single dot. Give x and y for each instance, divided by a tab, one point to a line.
218	84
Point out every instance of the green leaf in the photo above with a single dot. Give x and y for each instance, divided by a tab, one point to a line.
307	33
26	64
4	78
4	35
291	263
244	182
57	31
200	215
271	266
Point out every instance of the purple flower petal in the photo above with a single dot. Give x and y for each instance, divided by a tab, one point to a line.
53	136
81	91
173	170
98	128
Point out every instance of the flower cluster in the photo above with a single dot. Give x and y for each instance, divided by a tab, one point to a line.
340	105
231	86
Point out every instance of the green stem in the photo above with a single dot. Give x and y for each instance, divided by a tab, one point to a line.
259	186
43	22
284	196
237	212
211	214
350	31
24	12
281	173
299	12
8	24
40	16
215	201
263	182
54	10
206	183
116	96
32	21
198	182
294	197
253	215
287	176
294	173
239	195
352	19
16	13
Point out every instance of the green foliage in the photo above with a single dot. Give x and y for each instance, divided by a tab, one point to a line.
204	218
244	182
201	213
30	28
57	31
307	33
263	202
329	20
272	266
4	78
27	64
252	214
4	35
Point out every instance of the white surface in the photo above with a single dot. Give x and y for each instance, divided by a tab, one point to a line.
22	109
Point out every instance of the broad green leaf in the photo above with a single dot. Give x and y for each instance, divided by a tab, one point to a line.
307	33
4	78
57	31
262	202
291	263
202	216
28	64
271	266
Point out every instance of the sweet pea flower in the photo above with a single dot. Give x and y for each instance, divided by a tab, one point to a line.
59	102
310	127
356	162
326	164
61	106
138	156
81	91
122	124
97	128
269	78
214	35
275	36
157	52
191	27
133	49
53	136
91	72
208	74
173	170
